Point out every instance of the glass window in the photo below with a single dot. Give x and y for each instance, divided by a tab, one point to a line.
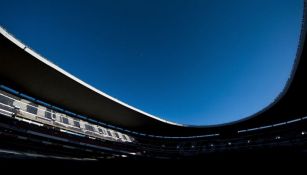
116	135
89	127
6	100
109	133
77	124
65	120
103	131
31	109
48	113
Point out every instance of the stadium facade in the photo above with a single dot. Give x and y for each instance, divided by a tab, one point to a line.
52	114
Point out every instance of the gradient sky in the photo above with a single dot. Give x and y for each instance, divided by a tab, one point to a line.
196	62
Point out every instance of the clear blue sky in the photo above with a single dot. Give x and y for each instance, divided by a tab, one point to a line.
194	62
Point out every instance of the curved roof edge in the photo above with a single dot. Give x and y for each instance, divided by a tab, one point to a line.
167	123
54	66
299	51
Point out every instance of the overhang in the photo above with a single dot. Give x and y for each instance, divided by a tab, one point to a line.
26	71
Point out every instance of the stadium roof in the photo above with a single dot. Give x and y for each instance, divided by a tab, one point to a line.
26	71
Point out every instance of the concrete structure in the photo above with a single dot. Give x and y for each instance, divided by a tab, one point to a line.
24	70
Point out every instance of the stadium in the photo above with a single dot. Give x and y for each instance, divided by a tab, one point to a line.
47	113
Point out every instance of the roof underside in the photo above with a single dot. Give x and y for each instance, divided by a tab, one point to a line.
23	71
